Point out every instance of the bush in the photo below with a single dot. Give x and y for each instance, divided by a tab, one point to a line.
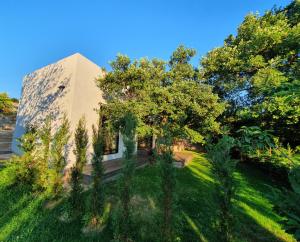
263	150
42	163
76	198
25	166
97	196
168	183
24	170
123	219
164	156
43	147
223	168
76	195
253	140
58	161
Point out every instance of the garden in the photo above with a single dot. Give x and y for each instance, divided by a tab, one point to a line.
238	114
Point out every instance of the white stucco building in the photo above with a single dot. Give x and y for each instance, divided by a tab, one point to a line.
67	86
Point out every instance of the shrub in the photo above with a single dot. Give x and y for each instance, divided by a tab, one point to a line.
98	213
223	168
264	150
81	142
252	140
97	202
26	170
43	160
43	164
123	222
164	155
58	161
76	199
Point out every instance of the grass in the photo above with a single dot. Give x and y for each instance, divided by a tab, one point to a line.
24	216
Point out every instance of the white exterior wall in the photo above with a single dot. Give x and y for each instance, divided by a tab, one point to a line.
41	97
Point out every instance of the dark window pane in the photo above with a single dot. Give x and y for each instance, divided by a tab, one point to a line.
145	143
111	142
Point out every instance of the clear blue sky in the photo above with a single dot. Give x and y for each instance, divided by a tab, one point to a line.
37	33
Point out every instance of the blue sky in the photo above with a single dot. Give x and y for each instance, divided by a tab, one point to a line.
37	33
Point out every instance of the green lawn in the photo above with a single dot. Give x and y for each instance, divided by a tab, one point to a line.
24	216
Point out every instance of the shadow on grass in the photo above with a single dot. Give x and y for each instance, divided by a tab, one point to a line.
33	222
195	192
24	218
257	220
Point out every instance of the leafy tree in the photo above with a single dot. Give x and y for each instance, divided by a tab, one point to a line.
58	161
128	126
223	168
158	96
257	72
81	143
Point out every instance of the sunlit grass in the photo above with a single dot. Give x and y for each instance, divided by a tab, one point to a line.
24	217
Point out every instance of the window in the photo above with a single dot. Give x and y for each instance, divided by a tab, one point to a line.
145	143
111	142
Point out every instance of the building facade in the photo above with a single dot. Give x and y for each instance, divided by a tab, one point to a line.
65	87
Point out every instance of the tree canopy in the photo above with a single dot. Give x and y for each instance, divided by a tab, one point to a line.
257	71
159	92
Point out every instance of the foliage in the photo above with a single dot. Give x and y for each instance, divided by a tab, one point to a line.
97	203
223	168
26	170
164	155
288	203
279	157
156	94
76	194
45	137
24	217
58	161
27	142
81	143
253	140
42	162
123	225
261	147
6	103
294	178
257	72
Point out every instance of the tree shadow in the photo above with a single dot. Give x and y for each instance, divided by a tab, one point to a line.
41	94
195	191
24	217
253	205
247	228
